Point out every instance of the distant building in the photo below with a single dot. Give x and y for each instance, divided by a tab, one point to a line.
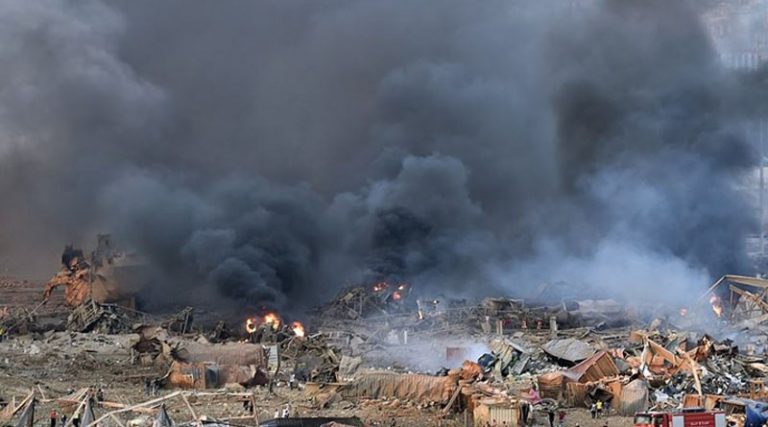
739	32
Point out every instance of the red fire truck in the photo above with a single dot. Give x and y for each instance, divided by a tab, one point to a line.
683	418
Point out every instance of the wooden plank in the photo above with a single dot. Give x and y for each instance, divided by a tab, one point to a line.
114	418
695	370
75	414
191	411
453	399
712	288
136	406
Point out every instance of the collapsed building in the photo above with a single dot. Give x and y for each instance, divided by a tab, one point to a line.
105	276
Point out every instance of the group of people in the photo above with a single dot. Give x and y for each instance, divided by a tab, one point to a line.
597	408
560	418
75	422
285	413
55	420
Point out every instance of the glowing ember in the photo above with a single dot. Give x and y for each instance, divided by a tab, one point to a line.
273	320
402	287
683	312
298	329
396	296
380	287
717	305
250	325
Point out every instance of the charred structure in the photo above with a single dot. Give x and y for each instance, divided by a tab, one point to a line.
106	276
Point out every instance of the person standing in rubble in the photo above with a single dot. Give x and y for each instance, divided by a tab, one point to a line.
551	417
525	410
599	408
54	416
593	410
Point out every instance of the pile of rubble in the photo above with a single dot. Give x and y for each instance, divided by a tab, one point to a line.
359	302
312	357
501	358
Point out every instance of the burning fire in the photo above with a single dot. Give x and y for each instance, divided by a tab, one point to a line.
271	319
381	286
250	325
298	329
717	305
683	312
396	296
402	287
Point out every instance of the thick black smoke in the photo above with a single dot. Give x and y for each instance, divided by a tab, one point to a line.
271	152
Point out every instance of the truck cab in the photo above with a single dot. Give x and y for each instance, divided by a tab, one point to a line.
694	417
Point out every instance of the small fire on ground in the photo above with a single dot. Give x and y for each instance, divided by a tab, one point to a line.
717	305
274	322
298	329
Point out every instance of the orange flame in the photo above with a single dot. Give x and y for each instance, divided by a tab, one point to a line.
396	296
250	325
273	320
402	287
298	329
380	287
717	305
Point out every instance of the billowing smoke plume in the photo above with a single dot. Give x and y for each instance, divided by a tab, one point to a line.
271	152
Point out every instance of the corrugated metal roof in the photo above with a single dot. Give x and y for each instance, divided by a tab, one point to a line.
496	414
414	387
594	368
569	349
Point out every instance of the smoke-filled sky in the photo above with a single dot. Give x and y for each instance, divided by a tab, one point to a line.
272	152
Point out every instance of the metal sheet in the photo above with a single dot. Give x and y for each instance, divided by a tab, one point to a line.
569	349
720	419
501	415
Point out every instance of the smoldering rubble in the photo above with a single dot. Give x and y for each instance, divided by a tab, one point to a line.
385	347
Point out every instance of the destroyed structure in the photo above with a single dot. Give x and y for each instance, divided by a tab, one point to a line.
456	361
106	276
